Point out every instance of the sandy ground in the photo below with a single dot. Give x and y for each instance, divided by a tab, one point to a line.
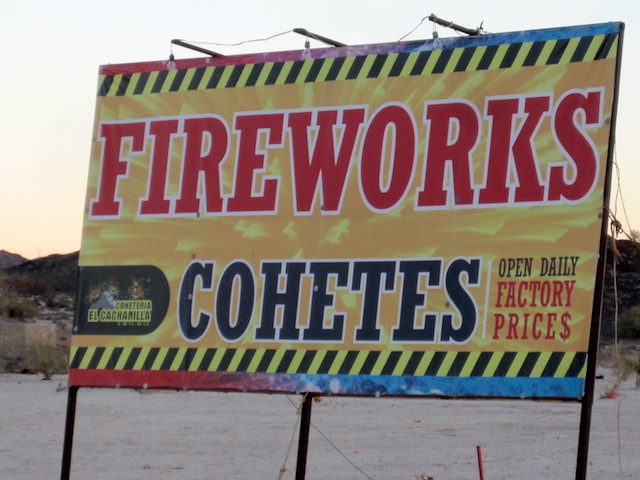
126	434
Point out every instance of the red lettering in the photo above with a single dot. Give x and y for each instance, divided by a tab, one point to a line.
511	295
569	284
207	141
582	156
535	288
114	165
522	301
501	112
252	160
513	323
545	293
392	130
551	318
453	135
498	325
527	187
501	285
558	288
155	202
324	144
525	329
535	330
323	165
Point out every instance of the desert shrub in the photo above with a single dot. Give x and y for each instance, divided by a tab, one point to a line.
26	286
61	301
629	323
625	363
46	359
15	307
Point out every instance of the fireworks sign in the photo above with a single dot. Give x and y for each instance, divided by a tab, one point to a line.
389	219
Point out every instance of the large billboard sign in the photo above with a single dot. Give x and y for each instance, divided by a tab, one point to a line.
389	219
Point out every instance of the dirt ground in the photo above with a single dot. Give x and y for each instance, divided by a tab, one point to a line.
129	434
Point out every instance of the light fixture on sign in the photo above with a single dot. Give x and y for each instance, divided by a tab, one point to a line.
437	43
171	64
306	53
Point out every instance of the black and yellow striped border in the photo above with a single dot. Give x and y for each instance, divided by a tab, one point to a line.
462	59
332	362
337	362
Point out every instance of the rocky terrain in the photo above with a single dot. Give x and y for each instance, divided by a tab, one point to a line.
36	312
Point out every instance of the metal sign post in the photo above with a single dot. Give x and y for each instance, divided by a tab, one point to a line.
68	433
303	439
596	317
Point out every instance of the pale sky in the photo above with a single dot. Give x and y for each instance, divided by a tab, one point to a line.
52	51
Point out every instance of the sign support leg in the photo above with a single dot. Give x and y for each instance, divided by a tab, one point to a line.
68	433
303	440
583	440
592	359
587	405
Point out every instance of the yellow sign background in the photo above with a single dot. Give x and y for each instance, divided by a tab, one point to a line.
488	232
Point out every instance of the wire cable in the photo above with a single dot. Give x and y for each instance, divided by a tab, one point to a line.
340	452
414	29
616	228
335	447
293	436
237	44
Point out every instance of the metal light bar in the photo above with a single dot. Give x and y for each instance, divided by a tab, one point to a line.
184	44
456	27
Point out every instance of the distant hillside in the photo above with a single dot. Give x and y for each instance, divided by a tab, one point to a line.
8	259
58	272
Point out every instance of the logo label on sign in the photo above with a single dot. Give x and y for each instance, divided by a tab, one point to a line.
121	300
